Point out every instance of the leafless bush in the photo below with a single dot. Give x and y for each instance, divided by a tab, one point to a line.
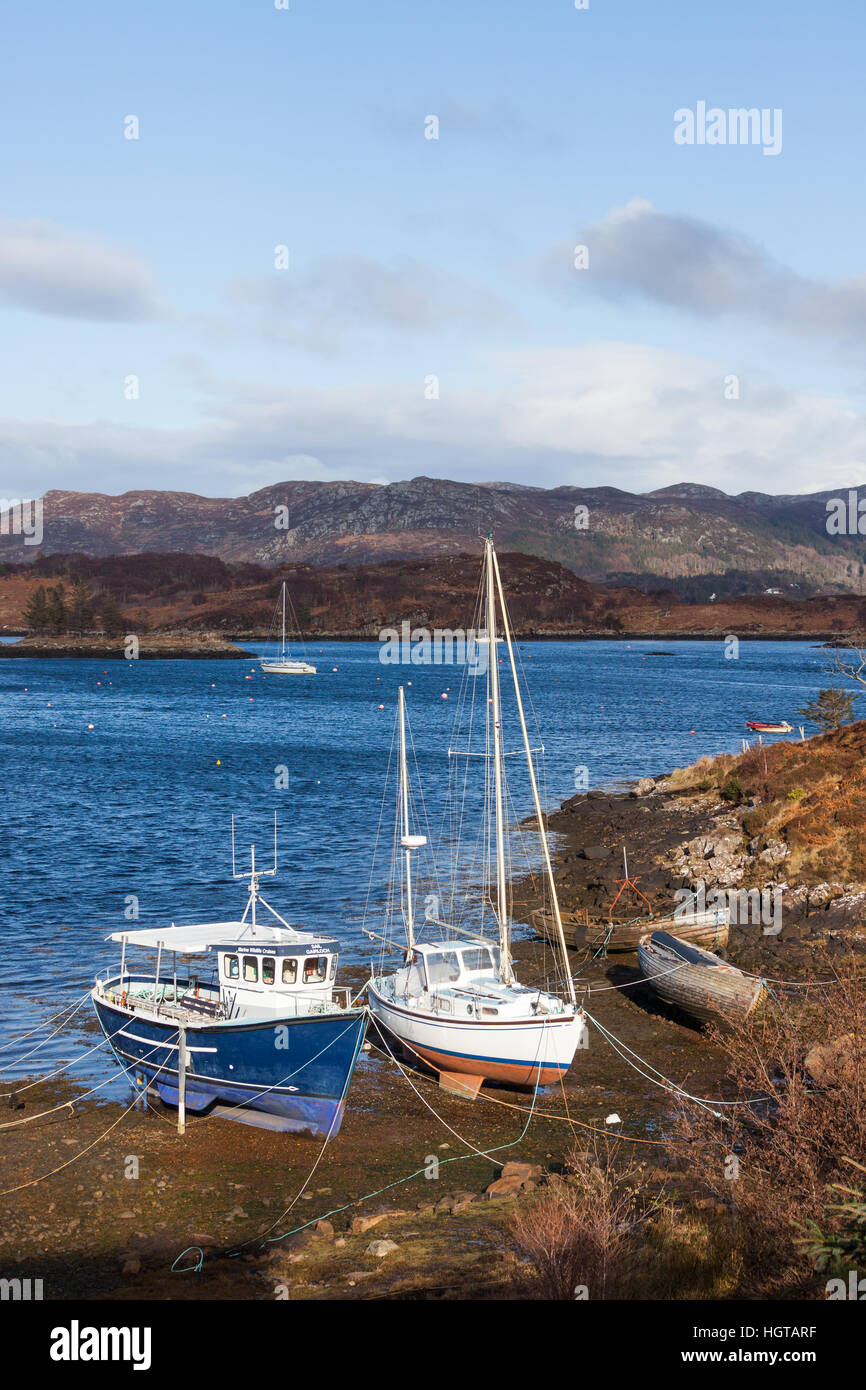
785	1134
579	1233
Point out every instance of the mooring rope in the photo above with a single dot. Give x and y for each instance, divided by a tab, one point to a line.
58	1029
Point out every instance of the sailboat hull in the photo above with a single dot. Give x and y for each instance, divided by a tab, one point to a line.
288	668
520	1052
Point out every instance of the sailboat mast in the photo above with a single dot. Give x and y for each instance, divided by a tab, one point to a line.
283	650
539	815
404	802
496	711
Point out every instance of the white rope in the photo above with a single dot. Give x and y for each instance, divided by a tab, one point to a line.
75	1157
665	1084
58	1029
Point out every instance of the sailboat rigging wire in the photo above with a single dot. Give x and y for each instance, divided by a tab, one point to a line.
378	832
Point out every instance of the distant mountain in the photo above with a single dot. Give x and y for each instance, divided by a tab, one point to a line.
677	533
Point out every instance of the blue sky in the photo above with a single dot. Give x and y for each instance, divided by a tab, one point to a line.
413	258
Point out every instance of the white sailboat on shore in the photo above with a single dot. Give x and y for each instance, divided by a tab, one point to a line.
456	1003
285	664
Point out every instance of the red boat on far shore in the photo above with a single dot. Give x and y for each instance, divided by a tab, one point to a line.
760	726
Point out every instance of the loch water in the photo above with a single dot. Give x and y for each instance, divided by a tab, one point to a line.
119	780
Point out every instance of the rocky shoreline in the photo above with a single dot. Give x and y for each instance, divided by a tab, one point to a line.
169	646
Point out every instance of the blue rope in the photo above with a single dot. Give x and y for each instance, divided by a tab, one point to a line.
189	1269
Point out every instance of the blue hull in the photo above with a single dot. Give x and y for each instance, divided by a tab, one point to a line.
296	1069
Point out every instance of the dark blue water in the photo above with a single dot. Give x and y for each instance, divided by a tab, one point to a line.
140	804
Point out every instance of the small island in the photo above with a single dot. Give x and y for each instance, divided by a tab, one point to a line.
151	646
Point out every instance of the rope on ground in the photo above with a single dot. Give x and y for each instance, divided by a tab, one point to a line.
539	1114
456	1158
666	1084
40	1080
75	1157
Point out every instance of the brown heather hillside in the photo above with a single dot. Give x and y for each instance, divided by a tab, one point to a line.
809	796
181	592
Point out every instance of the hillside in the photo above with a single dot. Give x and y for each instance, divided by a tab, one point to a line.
801	804
687	533
203	594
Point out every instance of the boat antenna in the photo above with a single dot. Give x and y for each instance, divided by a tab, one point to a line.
254	874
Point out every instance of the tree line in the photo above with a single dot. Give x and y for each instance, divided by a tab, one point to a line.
58	611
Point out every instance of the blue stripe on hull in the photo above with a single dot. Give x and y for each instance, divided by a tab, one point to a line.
502	1061
302	1065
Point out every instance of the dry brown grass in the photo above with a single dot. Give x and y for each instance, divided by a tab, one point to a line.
810	794
790	1138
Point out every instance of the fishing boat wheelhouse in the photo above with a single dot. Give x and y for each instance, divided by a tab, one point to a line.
265	1034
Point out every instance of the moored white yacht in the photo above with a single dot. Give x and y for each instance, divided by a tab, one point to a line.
285	664
456	1003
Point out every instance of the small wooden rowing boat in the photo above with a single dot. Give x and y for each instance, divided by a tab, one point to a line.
760	726
706	928
696	981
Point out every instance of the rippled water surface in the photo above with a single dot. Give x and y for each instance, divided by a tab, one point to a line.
140	803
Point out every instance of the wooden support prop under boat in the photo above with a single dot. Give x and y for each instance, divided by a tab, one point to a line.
460	1084
696	981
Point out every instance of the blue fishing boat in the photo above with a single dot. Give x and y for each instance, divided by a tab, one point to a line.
264	1036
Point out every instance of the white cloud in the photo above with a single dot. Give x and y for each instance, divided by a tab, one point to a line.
617	414
48	270
342	297
690	265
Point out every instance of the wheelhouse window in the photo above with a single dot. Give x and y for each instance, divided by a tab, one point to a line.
333	970
315	969
443	967
290	971
251	970
267	970
230	967
477	958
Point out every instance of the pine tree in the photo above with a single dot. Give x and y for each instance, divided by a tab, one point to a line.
113	621
81	607
57	614
36	611
831	709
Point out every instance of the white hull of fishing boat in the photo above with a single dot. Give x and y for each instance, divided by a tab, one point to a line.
523	1050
